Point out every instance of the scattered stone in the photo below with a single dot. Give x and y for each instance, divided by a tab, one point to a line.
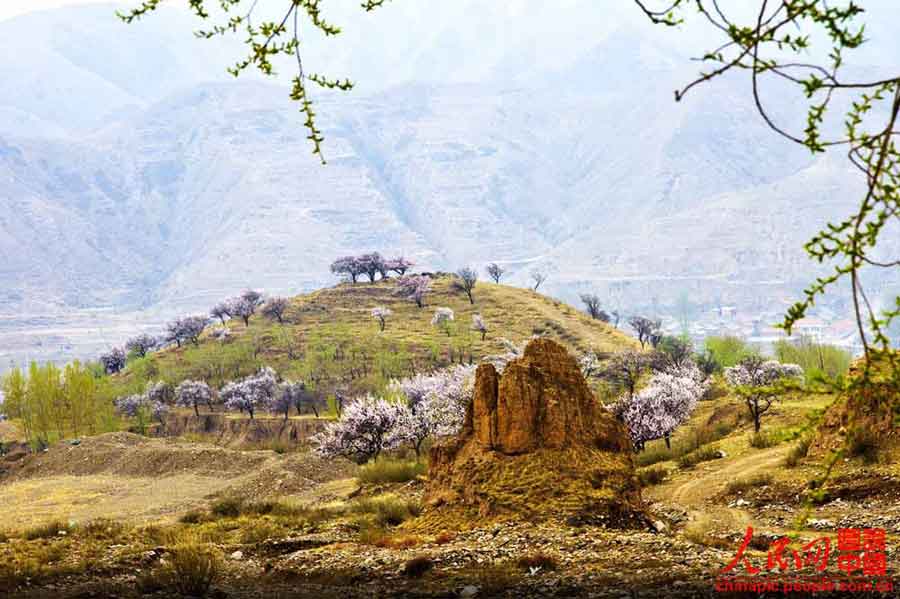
237	555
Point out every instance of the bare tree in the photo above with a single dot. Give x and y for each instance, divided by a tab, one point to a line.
647	330
625	369
465	281
592	305
495	271
220	311
275	308
538	277
141	345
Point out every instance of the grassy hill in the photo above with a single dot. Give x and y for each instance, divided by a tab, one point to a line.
330	340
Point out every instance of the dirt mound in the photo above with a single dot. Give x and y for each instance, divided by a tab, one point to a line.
223	429
868	410
255	473
127	454
536	445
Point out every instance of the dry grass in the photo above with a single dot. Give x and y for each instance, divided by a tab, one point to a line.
745	484
386	470
340	315
704	454
387	510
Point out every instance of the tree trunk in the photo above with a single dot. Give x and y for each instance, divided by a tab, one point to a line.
196	411
668	442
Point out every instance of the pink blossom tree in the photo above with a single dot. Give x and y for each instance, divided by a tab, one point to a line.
663	405
363	432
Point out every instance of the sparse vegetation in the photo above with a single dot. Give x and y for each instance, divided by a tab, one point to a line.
704	454
742	485
390	471
798	451
653	475
387	510
190	569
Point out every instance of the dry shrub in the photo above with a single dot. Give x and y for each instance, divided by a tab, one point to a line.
45	531
539	560
653	476
390	471
764	440
388	510
227	507
418	566
704	454
444	538
399	542
102	528
189	569
798	452
744	484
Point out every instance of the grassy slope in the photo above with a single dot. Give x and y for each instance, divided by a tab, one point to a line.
335	341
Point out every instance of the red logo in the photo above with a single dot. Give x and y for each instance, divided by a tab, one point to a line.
860	555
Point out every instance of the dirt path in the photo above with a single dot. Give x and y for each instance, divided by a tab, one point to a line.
694	491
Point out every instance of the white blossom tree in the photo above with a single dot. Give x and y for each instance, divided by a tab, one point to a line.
442	319
381	314
760	382
414	287
191	394
251	394
479	325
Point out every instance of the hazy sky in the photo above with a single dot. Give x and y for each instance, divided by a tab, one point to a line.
11	8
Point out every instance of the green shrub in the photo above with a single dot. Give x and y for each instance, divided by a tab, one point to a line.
693	440
764	440
818	361
390	471
728	351
652	476
704	454
743	484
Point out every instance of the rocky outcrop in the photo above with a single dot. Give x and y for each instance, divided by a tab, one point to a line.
536	444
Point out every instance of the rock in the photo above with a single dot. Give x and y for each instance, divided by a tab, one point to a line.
469	591
720	453
536	444
237	555
660	526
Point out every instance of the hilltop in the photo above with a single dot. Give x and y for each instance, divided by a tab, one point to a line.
330	340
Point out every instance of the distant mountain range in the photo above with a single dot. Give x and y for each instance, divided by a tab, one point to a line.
136	179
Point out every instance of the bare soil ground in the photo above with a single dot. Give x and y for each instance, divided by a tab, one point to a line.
331	542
